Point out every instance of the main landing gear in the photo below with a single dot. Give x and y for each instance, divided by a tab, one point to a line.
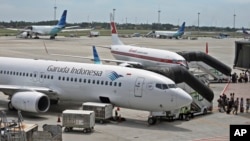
152	120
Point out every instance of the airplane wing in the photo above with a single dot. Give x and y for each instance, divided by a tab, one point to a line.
11	89
18	29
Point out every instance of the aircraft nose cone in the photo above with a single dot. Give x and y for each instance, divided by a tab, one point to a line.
184	99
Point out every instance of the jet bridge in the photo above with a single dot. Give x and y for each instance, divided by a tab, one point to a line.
242	57
208	64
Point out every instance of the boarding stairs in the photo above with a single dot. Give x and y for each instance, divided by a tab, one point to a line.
197	66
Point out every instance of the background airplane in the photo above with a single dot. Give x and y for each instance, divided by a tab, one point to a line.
146	57
52	31
171	34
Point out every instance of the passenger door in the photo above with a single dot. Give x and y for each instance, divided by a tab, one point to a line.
139	87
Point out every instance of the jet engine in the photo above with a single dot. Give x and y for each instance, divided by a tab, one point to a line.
30	101
126	65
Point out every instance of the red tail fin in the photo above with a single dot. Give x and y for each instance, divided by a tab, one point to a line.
113	28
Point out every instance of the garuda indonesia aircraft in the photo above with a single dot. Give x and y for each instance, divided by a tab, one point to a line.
32	84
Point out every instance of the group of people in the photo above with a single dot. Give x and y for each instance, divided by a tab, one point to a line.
230	104
243	77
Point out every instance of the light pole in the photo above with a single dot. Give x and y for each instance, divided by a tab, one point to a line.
159	14
198	22
114	14
55	11
234	21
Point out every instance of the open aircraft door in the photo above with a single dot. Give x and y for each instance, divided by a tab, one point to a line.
139	87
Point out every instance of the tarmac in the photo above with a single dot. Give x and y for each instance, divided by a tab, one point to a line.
213	126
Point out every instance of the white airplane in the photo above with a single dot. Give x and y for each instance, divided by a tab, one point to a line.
171	34
145	57
31	85
52	31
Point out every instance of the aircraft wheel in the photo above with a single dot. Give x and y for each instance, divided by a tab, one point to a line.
151	120
205	112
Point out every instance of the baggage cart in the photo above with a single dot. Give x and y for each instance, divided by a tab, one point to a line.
78	119
103	111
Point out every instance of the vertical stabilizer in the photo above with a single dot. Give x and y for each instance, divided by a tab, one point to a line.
182	28
96	56
114	33
62	21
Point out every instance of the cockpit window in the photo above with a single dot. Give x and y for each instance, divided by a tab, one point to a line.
172	86
161	86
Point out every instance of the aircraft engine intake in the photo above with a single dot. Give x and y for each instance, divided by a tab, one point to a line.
30	101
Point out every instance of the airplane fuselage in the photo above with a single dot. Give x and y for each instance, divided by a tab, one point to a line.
146	56
124	87
46	30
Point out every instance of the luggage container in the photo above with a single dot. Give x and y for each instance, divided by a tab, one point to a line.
103	111
78	119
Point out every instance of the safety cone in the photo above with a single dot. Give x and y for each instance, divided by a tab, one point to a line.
206	48
58	119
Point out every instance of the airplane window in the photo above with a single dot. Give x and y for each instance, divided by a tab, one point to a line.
115	83
34	75
89	81
4	72
80	80
63	78
44	76
48	77
75	79
84	81
158	86
14	73
41	76
67	79
10	72
23	73
51	77
101	82
171	85
106	83
97	82
110	83
30	74
1	71
59	78
164	86
7	72
71	79
120	84
27	74
93	81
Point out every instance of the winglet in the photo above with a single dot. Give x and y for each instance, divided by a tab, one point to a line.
62	21
96	56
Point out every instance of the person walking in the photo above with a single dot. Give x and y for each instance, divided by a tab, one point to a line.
236	105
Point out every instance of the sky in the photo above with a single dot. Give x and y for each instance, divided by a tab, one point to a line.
219	13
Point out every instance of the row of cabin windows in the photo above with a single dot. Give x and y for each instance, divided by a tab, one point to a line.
89	81
25	74
98	82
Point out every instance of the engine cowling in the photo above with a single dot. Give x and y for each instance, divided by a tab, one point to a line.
126	65
30	101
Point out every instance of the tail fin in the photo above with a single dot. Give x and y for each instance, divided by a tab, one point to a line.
182	28
62	21
244	30
96	56
114	33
